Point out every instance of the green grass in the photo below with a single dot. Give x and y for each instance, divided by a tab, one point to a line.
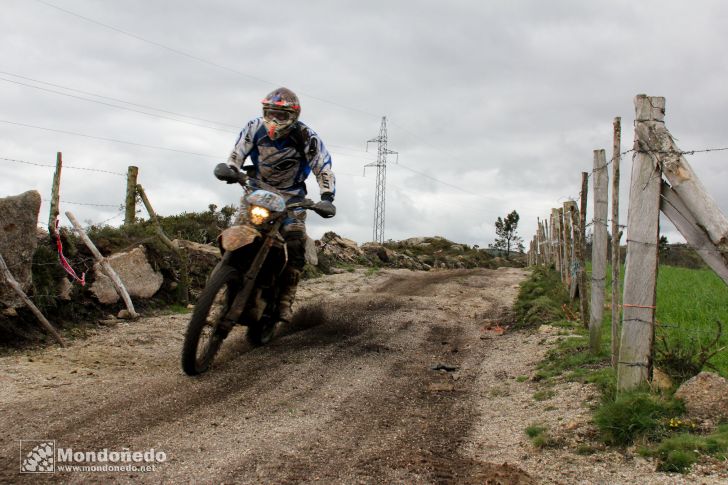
540	436
535	430
544	395
372	270
689	301
633	415
540	298
178	309
680	452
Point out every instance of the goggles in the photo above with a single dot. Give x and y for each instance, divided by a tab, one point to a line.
278	115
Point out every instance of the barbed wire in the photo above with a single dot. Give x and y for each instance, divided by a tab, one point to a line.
621	226
87	203
110	218
652	153
38	164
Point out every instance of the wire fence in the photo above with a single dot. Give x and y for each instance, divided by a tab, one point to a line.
556	240
71	167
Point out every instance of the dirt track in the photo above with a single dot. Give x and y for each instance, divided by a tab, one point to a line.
346	394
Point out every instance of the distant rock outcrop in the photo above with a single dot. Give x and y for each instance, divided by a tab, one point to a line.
417	253
18	241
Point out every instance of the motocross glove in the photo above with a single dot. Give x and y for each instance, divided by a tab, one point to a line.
229	173
325	209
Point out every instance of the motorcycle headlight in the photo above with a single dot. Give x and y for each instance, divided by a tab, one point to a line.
258	215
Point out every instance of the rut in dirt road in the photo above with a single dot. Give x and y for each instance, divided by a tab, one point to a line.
346	393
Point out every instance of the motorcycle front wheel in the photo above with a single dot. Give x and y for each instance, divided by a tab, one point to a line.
204	336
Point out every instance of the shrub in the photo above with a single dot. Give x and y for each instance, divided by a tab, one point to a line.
679	453
683	359
540	298
634	414
540	436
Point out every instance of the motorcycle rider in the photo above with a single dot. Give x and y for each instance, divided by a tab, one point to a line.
284	151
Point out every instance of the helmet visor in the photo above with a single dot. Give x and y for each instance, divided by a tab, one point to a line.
279	115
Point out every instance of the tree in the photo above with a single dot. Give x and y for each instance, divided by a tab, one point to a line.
507	238
663	248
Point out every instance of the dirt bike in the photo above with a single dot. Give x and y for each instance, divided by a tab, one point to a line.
243	288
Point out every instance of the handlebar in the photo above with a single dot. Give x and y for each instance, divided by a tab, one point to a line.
231	175
324	209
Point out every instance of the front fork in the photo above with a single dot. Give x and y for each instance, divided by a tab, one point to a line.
241	299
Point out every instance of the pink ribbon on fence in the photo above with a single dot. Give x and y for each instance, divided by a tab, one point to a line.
64	262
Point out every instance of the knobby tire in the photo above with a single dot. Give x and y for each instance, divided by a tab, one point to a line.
222	276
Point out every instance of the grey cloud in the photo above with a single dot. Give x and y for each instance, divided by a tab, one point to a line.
506	100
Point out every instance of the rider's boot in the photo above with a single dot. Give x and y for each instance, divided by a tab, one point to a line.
289	283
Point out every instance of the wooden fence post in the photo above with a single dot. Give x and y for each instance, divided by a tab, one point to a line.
541	244
556	239
643	232
538	241
118	284
678	213
131	183
55	195
547	242
600	181
570	219
583	290
184	284
616	236
13	283
686	185
562	242
530	252
568	243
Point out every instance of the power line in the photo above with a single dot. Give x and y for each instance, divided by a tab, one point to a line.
194	57
208	62
88	93
116	106
341	147
109	139
425	142
422	174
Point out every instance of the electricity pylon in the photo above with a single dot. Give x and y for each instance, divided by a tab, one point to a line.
381	164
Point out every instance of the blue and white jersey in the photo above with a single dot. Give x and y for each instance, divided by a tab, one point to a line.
285	163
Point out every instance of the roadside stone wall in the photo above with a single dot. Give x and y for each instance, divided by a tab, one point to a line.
18	241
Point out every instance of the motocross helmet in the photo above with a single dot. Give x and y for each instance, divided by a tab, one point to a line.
280	112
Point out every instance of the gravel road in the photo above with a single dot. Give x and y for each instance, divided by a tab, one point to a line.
346	394
384	377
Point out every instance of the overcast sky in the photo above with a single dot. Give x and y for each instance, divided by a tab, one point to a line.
500	104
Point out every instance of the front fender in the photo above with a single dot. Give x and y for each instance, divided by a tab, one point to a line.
236	237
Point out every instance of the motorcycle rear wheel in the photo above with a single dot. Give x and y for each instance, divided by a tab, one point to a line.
204	336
